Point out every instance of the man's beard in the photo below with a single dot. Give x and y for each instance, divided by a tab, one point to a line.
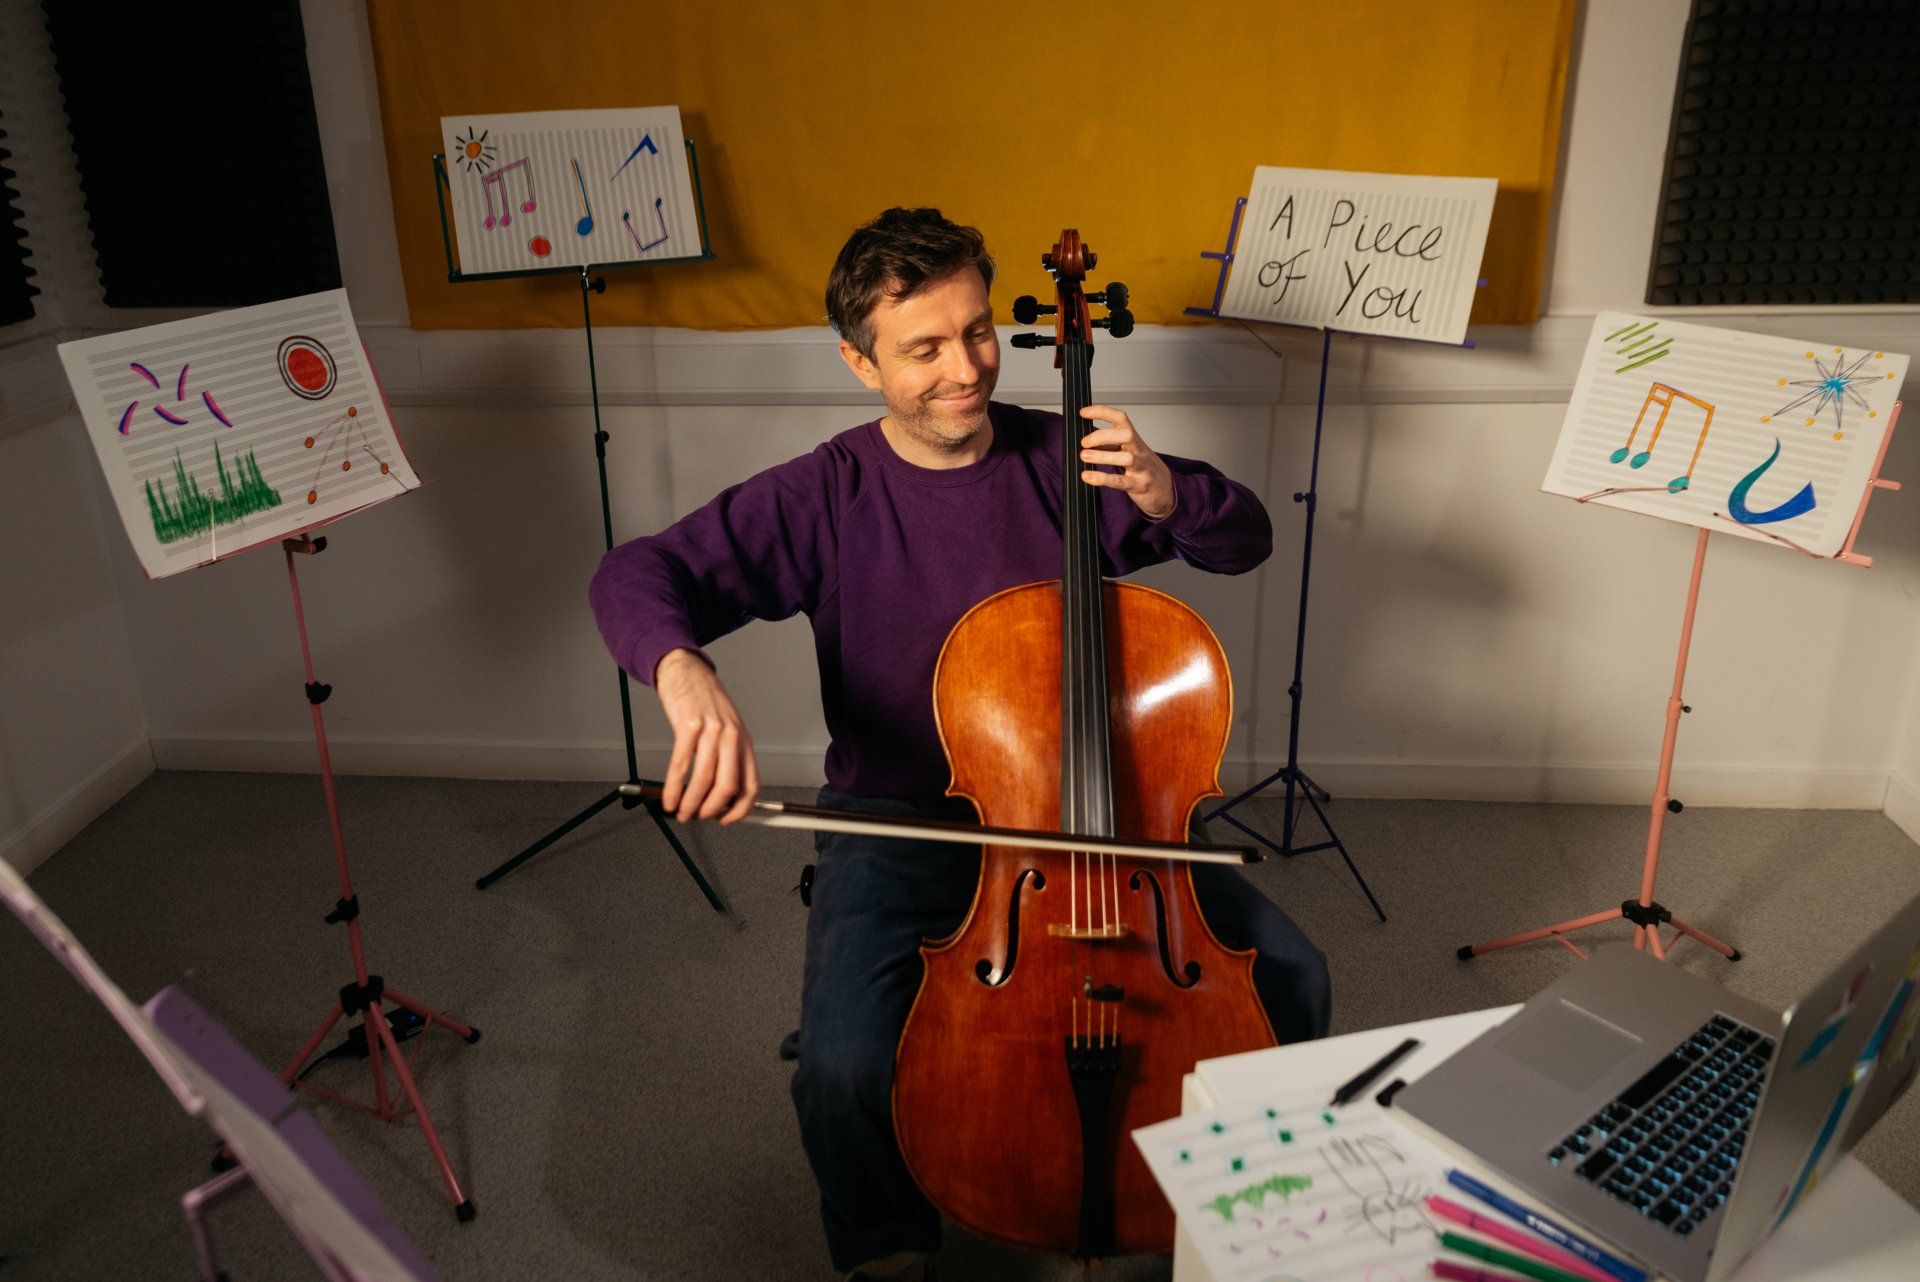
928	425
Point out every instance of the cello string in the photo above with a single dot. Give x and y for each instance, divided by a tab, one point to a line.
1089	682
1097	678
1073	570
1069	604
1094	676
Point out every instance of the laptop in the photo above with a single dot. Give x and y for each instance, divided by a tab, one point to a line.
1674	1119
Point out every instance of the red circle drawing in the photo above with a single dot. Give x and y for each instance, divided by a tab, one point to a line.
540	246
307	367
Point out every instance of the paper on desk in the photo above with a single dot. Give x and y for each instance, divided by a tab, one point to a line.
1288	1190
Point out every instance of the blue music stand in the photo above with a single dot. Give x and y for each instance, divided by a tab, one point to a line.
1302	791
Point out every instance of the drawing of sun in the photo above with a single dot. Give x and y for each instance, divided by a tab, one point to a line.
1835	389
474	152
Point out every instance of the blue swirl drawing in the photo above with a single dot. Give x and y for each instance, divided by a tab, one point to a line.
1799	505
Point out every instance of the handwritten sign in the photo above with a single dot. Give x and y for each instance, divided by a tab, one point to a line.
1366	253
1772	439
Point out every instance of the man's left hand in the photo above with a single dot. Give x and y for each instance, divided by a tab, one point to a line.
1142	475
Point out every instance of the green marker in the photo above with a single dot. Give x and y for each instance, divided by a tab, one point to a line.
1505	1259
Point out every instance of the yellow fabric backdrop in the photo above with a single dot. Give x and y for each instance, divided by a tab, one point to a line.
1137	122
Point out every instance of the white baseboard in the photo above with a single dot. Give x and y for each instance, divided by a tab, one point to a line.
1903	805
802	766
28	846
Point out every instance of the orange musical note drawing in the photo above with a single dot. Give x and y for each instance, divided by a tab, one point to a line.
1664	396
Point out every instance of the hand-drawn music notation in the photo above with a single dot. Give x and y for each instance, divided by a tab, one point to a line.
1303	1193
585	226
498	178
1664	396
645	144
626	216
341	431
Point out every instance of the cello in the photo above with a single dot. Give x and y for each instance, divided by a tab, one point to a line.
1080	987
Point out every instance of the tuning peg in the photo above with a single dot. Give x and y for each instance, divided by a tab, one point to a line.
1033	340
1027	309
1118	321
1114	296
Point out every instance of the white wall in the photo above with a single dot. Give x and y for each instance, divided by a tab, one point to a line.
73	738
1470	636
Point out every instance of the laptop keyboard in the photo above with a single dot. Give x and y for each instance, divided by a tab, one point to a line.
1669	1144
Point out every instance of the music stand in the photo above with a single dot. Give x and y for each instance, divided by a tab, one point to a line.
363	997
1646	913
314	1189
592	283
1301	791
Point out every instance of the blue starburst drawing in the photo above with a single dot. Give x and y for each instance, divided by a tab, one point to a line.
1834	390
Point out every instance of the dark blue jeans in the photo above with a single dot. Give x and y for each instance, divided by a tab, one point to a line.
874	900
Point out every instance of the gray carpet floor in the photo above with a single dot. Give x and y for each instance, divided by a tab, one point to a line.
625	1115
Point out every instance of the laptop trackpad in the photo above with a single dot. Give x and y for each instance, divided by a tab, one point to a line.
1570	1046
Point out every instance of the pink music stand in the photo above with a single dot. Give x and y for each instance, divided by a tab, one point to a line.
1646	913
364	995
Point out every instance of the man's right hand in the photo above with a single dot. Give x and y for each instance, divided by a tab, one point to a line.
712	772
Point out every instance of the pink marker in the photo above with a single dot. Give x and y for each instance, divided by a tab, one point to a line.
1517	1240
1448	1271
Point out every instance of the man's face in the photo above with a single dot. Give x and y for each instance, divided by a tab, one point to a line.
935	360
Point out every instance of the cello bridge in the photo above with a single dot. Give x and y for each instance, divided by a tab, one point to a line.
1093	934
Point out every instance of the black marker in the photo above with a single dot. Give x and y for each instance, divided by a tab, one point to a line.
1366	1078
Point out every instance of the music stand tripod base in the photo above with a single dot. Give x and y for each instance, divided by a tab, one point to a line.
1646	913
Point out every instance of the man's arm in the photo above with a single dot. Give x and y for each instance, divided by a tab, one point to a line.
761	549
1179	507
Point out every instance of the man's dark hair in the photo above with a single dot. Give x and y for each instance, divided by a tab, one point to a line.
896	256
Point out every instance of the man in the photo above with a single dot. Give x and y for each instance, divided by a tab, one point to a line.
885	535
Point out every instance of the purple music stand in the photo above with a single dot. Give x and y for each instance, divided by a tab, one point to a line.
281	1149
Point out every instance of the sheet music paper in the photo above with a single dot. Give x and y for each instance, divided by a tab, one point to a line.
1393	254
1288	1189
1737	433
538	189
226	431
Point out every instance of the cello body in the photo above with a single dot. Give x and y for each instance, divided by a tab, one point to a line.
1080	989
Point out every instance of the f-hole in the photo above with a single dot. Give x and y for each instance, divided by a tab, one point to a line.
1192	969
983	969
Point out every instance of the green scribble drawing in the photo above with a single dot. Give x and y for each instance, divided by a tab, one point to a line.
1638	345
1280	1186
187	512
1327	1117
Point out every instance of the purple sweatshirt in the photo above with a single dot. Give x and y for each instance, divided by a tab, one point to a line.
884	557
